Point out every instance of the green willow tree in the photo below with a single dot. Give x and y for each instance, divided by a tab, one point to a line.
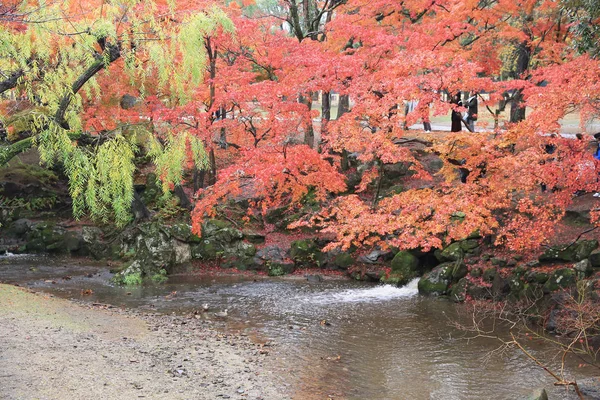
62	64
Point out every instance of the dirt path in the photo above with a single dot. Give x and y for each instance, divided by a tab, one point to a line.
53	349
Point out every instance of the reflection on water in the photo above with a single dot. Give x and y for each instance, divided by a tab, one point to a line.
339	338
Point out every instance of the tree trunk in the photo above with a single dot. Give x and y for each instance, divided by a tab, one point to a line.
198	179
523	56
343	106
517	111
309	135
212	178
139	209
184	201
325	112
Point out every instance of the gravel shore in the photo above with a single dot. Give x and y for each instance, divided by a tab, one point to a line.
52	348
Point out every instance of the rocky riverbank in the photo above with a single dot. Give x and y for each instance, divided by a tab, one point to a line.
56	349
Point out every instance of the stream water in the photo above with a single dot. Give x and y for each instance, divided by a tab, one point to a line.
338	338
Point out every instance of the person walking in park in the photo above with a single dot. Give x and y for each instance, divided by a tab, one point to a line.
456	117
472	109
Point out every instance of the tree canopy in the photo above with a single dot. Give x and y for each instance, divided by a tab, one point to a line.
226	91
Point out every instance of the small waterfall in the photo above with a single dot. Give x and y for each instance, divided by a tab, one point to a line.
374	294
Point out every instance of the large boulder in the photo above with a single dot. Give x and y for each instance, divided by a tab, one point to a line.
452	252
91	237
221	241
538	277
221	231
21	227
253	236
458	292
539	394
500	285
51	238
404	267
590	388
438	280
574	252
376	256
274	260
595	259
337	259
583	268
153	249
305	253
561	278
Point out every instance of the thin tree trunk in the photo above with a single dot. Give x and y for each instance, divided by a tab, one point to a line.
325	112
523	54
309	135
343	106
212	178
517	110
184	201
198	179
379	184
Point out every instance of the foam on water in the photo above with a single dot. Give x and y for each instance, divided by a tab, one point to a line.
374	294
12	255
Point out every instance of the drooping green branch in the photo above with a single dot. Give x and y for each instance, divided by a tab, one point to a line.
9	152
113	52
11	81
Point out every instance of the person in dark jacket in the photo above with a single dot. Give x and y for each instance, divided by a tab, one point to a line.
456	118
597	154
472	109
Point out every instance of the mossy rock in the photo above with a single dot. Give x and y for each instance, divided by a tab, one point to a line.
152	190
458	292
489	274
431	288
404	266
253	237
92	242
459	270
437	281
452	252
20	227
520	271
343	260
469	245
517	286
575	252
393	279
184	233
305	252
131	275
205	250
280	269
583	269
595	259
538	277
498	262
35	245
72	242
220	231
477	291
561	278
239	263
240	249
